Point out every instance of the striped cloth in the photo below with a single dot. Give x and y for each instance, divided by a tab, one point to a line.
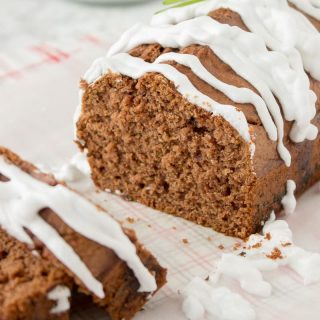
39	74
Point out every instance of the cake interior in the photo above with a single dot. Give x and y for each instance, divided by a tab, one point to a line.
145	140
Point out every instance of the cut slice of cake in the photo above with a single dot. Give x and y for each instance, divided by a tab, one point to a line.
73	240
30	287
208	112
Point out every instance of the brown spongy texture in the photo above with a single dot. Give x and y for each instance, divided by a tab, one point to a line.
25	281
147	141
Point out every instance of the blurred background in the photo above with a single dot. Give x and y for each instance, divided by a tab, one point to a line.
56	23
45	48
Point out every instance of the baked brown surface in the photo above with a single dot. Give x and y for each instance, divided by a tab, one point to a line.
122	299
25	281
144	139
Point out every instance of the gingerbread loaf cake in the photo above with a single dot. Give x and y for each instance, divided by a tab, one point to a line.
53	240
210	113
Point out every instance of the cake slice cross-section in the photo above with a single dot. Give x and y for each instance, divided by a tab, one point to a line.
71	243
207	112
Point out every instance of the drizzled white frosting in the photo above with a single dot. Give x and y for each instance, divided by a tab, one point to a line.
75	169
204	301
61	295
281	27
23	197
133	67
273	74
247	272
289	201
267	252
310	7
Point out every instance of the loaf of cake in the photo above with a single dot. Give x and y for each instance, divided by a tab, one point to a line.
53	240
209	113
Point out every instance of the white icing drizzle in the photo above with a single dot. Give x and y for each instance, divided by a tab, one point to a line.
247	272
202	300
282	28
271	73
310	7
23	197
289	201
240	95
76	169
267	252
61	295
133	67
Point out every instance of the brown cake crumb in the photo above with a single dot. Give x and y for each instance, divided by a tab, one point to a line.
267	236
275	254
209	238
286	244
130	220
221	247
185	241
256	245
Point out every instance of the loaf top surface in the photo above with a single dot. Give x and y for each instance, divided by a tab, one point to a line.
275	51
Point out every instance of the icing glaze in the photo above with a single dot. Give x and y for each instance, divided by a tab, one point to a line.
277	74
289	201
74	170
310	7
240	95
247	272
281	27
204	301
61	295
133	67
271	73
23	197
266	252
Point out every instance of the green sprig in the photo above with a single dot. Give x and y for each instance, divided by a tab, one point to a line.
178	4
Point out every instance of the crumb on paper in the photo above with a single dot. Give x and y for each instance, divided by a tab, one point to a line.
130	220
221	246
185	241
267	236
286	244
149	225
275	254
209	239
174	228
236	246
242	254
256	245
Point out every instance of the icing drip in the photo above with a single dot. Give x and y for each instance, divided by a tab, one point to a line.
133	67
201	299
240	95
23	197
271	73
267	252
289	201
281	27
61	295
77	168
247	272
310	7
